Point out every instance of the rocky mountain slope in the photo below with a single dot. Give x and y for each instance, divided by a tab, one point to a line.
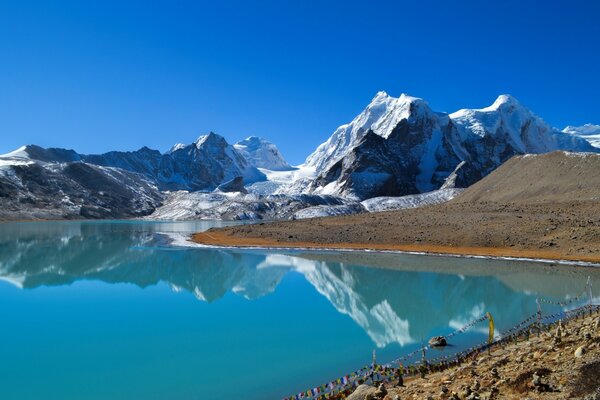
399	146
202	165
39	190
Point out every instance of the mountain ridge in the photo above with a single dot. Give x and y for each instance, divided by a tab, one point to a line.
394	147
400	146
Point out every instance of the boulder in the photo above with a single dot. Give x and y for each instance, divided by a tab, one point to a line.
362	392
438	341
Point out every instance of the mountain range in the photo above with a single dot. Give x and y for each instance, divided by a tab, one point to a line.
394	147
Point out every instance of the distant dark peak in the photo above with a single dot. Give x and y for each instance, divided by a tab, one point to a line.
148	150
51	154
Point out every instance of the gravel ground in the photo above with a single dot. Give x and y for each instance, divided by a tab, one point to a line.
569	230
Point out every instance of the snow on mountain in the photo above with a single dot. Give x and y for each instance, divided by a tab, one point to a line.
261	153
203	165
328	211
396	146
512	126
399	146
237	206
397	151
21	152
31	189
381	116
212	155
589	132
291	182
175	147
377	204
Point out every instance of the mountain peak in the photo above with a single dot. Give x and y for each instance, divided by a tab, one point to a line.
261	153
589	132
380	96
383	98
504	101
210	138
587	129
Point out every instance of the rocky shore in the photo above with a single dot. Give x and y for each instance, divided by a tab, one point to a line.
561	363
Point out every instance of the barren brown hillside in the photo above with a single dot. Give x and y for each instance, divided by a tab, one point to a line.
533	206
554	177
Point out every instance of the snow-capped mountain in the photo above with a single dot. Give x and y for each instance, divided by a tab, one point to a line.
395	147
202	165
381	115
261	153
399	146
589	132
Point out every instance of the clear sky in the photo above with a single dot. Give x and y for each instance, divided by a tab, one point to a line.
103	75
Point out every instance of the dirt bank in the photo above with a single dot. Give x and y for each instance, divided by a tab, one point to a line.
568	231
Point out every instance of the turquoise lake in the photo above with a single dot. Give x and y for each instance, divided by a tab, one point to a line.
116	310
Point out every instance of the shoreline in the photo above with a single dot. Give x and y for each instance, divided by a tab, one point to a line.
559	361
214	238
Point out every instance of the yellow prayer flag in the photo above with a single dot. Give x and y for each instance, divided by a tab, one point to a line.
491	328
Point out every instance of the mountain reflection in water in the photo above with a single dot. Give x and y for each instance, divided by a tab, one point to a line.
393	298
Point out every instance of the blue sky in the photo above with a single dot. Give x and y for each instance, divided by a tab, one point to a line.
102	75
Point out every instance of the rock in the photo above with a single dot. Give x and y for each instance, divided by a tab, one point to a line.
438	341
580	351
538	385
234	185
381	392
494	372
558	334
362	392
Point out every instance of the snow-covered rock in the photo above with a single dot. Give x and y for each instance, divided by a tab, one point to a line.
261	153
234	185
589	132
328	211
411	201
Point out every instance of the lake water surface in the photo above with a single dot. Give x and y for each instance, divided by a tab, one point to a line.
112	310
